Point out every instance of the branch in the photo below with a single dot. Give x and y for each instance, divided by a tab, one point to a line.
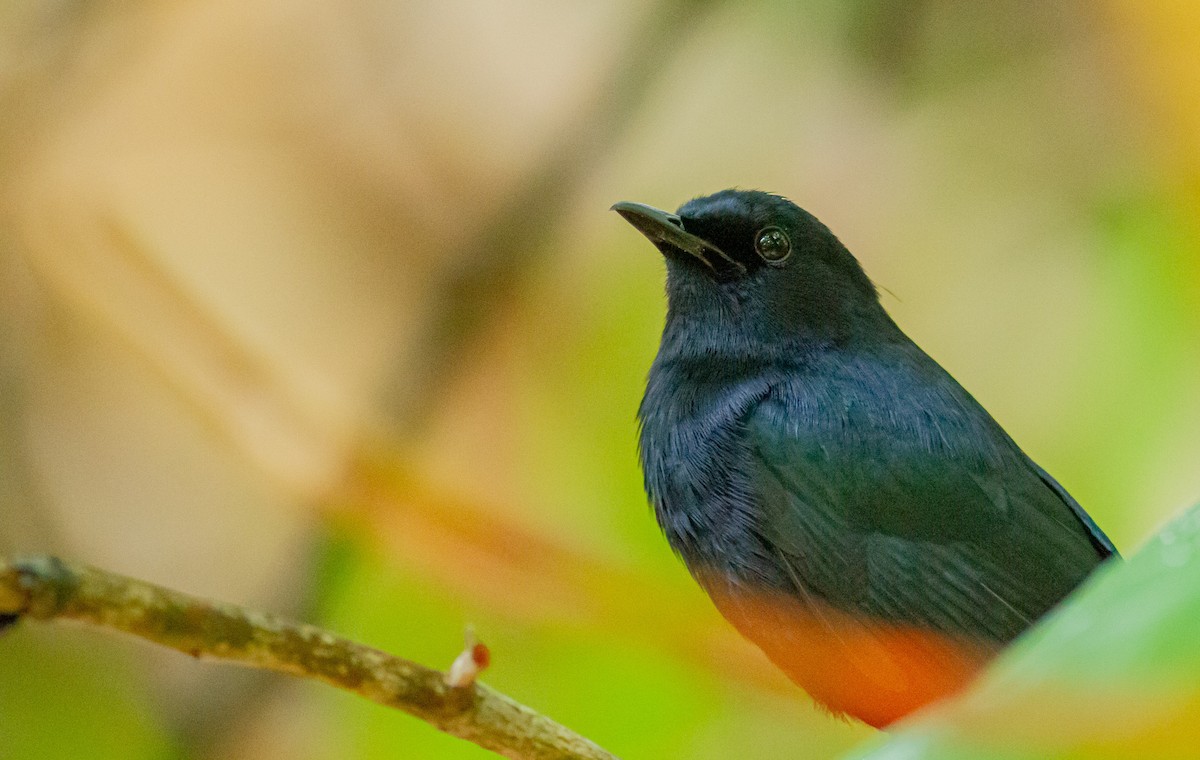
44	588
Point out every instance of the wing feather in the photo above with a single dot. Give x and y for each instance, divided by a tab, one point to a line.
951	530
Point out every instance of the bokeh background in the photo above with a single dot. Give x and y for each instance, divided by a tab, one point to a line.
319	308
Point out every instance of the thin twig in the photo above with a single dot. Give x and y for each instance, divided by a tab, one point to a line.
215	711
44	588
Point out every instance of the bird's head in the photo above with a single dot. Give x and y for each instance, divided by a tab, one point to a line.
744	265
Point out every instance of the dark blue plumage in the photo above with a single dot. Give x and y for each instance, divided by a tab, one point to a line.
827	482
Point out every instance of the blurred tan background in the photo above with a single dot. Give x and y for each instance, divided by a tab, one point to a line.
320	309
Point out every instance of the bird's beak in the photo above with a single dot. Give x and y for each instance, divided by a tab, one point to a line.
666	232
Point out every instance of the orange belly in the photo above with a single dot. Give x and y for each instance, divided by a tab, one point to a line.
869	669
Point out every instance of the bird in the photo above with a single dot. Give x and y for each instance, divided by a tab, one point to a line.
846	504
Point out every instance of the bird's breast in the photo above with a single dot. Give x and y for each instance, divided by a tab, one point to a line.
696	467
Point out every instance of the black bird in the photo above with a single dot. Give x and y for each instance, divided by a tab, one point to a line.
848	506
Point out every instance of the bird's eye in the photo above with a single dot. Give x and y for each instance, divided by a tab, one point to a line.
773	245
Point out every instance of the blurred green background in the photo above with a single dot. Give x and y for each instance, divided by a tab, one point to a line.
319	308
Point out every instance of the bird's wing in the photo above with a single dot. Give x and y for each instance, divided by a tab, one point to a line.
1102	543
872	513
